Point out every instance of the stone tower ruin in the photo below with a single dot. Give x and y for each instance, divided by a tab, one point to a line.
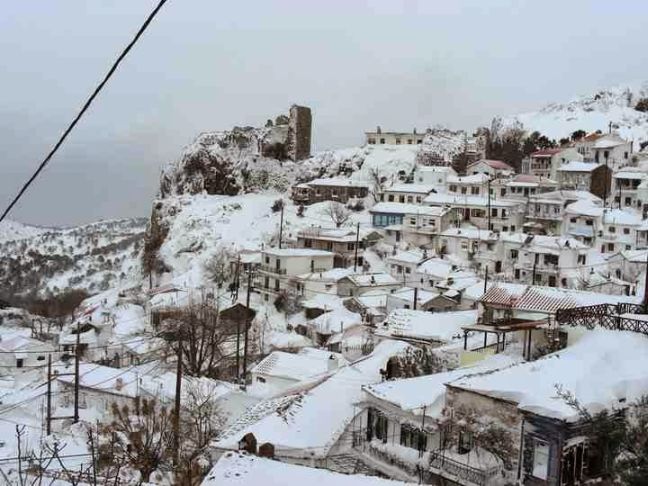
300	123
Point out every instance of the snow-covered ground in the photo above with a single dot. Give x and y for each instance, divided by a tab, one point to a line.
590	113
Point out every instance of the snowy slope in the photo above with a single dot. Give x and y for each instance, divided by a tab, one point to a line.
92	257
590	113
12	230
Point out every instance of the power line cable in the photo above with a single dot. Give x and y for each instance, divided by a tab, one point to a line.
87	104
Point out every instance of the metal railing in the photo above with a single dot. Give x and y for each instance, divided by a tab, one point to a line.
271	269
477	476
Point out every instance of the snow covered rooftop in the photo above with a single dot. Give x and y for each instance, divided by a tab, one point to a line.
495	164
435	267
296	252
451	199
413	188
308	424
468	179
547	299
338	182
412	394
577	166
19	343
626	216
416	324
336	320
240	469
403	208
547	152
292	366
410	256
629	174
471	233
603	369
584	207
407	293
372	280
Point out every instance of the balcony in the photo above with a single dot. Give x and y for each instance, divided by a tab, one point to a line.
273	270
452	466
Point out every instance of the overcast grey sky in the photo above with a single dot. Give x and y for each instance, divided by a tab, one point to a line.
208	65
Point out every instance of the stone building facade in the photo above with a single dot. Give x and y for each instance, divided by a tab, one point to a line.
299	133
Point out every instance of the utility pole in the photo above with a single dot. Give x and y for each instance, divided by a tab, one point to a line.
619	195
355	258
281	225
247	327
645	299
237	279
238	322
535	263
176	415
77	357
415	296
489	204
49	394
486	280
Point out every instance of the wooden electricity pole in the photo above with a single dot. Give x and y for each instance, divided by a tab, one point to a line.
176	415
281	224
49	394
77	358
415	297
355	258
247	327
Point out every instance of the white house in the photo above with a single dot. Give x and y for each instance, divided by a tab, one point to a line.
24	352
358	285
433	175
492	168
472	185
404	297
545	212
280	370
613	151
407	193
625	187
546	162
278	265
394	138
505	215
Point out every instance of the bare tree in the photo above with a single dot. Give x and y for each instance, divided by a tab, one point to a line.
204	338
338	213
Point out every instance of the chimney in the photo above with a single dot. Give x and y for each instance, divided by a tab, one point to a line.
119	384
414	131
378	129
332	363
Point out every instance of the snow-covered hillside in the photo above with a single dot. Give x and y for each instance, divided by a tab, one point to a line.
590	113
92	257
12	230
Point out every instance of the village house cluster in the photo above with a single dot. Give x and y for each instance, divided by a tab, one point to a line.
427	328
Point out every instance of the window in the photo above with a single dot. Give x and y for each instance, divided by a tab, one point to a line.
625	155
465	442
463	190
540	459
260	379
572	220
514	254
412	221
371	141
276	285
19	363
626	231
581	259
267	260
398	141
308	243
390	198
418	199
610	246
410	199
612	229
409	141
40	358
382	140
408	270
589	222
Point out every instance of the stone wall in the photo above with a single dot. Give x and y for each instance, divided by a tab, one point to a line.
299	132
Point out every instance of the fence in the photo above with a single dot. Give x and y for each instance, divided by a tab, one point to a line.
607	316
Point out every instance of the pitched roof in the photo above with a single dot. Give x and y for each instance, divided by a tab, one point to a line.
495	164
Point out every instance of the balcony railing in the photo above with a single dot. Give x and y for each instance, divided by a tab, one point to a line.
271	269
480	477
